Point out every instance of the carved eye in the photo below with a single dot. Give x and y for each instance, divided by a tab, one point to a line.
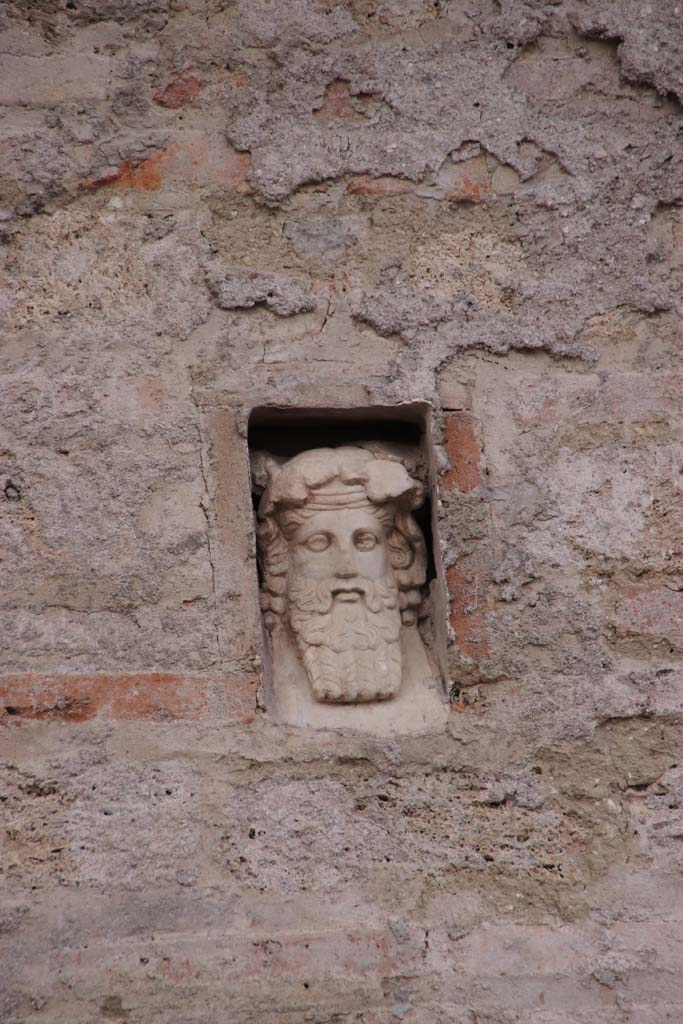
364	540
318	542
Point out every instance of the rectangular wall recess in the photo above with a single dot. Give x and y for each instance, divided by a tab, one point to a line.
296	450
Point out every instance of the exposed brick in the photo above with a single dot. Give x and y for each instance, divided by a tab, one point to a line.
468	607
336	102
193	160
464	453
144	176
179	92
339	104
145	695
292	959
656	613
470	180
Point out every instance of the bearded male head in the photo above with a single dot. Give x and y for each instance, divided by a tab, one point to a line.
343	562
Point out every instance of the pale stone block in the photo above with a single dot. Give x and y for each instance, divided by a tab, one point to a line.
47	81
231	531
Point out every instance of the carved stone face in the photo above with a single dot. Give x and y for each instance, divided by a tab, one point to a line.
343	561
343	545
343	605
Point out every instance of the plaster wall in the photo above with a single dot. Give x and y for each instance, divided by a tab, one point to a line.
209	206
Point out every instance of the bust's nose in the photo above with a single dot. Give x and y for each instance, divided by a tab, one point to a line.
344	569
345	572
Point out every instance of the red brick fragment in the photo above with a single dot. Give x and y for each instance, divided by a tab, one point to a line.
655	614
470	180
155	695
144	176
336	102
179	92
463	452
467	191
468	607
195	159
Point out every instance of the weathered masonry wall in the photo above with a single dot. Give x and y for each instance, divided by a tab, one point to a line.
208	206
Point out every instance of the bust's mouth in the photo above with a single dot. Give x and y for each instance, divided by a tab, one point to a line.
348	593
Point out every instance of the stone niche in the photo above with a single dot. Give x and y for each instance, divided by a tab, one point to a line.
350	576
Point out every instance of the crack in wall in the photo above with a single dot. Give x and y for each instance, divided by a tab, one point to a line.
205	504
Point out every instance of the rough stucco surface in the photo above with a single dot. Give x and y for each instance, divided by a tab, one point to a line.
209	205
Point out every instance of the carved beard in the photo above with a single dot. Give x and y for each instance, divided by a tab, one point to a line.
351	649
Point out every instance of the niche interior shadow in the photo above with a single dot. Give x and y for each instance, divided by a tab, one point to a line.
290	431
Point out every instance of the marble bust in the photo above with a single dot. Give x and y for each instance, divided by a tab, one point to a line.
343	566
